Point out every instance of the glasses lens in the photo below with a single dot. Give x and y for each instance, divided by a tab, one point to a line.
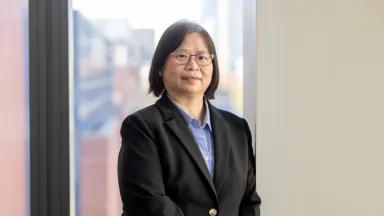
201	59
204	59
181	58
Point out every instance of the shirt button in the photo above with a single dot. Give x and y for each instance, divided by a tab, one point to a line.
212	212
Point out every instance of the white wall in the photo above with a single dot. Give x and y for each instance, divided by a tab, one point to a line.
320	107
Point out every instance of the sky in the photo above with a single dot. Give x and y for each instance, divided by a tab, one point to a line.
141	13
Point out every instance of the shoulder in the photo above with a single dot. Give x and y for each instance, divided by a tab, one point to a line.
230	117
145	113
144	118
237	126
233	119
235	123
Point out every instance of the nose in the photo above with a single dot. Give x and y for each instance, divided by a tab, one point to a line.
192	64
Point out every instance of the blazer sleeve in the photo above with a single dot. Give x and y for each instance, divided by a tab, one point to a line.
140	173
250	203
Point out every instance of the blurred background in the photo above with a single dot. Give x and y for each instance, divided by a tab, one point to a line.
319	99
14	108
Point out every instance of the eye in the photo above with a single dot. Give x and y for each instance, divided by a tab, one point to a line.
202	57
180	56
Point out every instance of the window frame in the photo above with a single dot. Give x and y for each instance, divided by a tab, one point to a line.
249	66
49	110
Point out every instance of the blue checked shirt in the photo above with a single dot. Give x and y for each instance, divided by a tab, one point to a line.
202	134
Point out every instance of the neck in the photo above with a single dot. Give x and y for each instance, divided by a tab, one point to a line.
193	105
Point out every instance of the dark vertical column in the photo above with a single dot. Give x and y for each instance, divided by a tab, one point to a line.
49	107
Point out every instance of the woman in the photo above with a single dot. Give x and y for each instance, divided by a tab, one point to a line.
182	156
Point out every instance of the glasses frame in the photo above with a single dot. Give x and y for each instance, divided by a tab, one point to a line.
189	58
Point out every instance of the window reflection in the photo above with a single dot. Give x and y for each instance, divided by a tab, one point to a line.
14	109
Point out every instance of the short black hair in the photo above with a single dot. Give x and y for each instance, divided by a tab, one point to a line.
169	42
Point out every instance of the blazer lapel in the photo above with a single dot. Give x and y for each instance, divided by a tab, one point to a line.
175	122
221	140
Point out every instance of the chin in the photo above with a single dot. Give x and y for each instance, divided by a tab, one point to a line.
193	91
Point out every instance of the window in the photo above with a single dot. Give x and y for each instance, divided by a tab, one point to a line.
113	44
14	108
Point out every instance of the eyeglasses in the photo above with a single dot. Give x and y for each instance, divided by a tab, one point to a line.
182	58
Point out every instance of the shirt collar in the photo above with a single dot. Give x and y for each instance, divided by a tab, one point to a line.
188	118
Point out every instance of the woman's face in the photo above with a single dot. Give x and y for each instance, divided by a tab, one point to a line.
188	78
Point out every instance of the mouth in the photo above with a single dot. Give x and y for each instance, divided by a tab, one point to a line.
191	78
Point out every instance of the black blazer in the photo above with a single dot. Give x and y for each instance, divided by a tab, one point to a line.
161	171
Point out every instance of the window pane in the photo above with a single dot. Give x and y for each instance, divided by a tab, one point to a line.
14	108
114	41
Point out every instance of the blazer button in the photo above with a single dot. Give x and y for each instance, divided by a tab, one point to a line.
212	212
